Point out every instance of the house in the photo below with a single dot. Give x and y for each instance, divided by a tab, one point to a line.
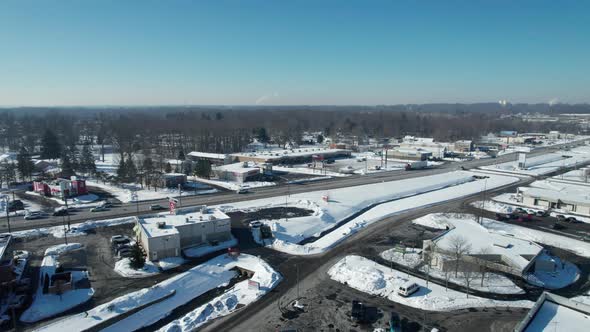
167	235
555	313
61	188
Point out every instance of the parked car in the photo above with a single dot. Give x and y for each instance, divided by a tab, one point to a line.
558	226
98	209
503	216
157	207
60	211
125	253
408	289
255	224
571	220
525	217
122	246
30	215
116	239
15	205
542	213
330	161
560	217
520	211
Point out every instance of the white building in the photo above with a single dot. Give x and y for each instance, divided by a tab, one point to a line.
556	313
167	235
562	196
237	172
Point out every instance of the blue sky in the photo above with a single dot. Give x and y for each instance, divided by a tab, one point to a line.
292	52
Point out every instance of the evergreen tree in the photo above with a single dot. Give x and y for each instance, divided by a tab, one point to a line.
25	165
181	155
74	155
137	260
203	169
130	170
87	163
121	171
67	169
168	168
320	139
261	135
50	147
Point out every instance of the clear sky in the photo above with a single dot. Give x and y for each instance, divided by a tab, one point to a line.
292	52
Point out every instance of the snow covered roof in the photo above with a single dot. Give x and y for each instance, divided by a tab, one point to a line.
552	312
208	155
239	168
4	242
8	157
567	193
512	249
296	152
153	228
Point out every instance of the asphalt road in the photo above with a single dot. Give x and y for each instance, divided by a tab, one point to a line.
224	197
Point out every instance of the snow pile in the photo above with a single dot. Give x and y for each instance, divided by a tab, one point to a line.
369	277
48	305
175	292
123	268
390	198
241	294
493	206
308	170
233	185
306	180
169	263
491	283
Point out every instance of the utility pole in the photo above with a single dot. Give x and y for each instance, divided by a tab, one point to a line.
67	212
180	194
8	215
65	232
297	281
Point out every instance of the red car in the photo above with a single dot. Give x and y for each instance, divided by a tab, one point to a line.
525	217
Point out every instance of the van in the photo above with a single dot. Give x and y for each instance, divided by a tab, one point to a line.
408	289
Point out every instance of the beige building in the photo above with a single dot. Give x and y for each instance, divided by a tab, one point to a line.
167	235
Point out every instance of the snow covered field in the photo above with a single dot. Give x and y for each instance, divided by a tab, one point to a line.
369	277
180	289
126	192
406	195
492	282
48	305
76	230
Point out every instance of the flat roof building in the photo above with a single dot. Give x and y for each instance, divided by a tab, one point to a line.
556	313
291	156
164	236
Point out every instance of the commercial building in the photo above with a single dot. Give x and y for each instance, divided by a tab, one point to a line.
409	154
427	144
463	146
172	180
556	313
213	158
167	235
62	188
240	172
568	197
291	156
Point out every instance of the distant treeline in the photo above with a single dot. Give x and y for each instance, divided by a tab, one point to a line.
166	131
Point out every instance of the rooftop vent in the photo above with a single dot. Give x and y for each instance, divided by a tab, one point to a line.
161	224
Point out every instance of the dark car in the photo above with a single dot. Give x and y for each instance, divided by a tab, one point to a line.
15	205
503	216
542	213
157	207
560	217
60	212
520	211
558	226
571	220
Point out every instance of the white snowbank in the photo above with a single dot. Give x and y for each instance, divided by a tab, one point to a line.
233	185
123	268
369	277
184	287
423	191
126	192
203	250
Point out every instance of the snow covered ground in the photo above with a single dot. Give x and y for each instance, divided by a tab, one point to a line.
48	305
492	282
308	170
405	195
546	163
123	268
29	205
203	250
369	277
180	289
126	192
233	185
76	230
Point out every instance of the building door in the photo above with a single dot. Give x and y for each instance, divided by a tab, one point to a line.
154	256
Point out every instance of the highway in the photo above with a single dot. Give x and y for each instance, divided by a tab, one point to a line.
225	197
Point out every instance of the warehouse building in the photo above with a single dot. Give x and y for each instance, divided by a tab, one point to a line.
409	154
241	172
167	235
292	156
213	158
566	197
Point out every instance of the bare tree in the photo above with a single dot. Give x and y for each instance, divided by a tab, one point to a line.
468	276
482	262
459	247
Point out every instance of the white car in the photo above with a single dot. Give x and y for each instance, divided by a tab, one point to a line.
408	289
98	209
30	215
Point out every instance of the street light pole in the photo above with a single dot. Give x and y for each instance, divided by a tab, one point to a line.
7	215
65	232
